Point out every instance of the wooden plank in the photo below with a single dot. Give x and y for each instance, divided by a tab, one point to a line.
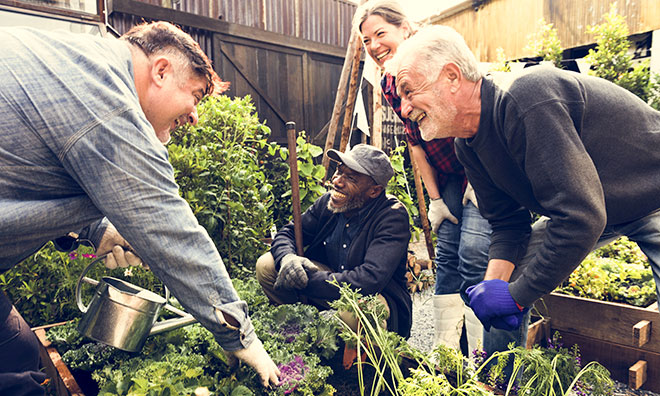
612	322
64	382
484	30
615	357
239	68
132	7
538	332
637	374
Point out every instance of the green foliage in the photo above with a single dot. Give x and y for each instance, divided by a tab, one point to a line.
555	371
43	286
545	43
501	64
400	188
654	91
310	175
189	360
219	173
612	61
617	272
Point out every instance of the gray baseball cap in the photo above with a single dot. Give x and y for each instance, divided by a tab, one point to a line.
367	160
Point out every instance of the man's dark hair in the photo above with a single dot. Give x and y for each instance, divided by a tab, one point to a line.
156	37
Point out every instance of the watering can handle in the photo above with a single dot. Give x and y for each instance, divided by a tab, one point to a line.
94	282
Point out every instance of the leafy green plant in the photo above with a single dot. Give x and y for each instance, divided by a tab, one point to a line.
220	175
500	64
556	370
399	187
545	43
618	272
611	60
310	174
189	360
545	372
43	286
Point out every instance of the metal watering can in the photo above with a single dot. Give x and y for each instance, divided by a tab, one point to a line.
122	314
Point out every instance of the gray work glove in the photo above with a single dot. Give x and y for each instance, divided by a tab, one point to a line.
439	212
470	196
293	272
256	357
118	249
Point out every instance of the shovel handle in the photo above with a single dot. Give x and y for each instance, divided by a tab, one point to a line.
295	186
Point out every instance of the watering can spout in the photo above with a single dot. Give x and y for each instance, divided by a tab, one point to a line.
171	324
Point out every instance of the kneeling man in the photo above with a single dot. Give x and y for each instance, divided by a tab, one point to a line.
355	233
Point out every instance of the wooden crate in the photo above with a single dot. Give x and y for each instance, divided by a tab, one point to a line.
64	382
623	338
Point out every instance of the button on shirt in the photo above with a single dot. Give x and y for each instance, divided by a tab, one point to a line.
338	243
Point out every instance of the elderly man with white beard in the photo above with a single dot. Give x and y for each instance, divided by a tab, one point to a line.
579	150
355	234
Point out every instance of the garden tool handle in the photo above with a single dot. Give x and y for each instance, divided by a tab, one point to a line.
295	186
82	307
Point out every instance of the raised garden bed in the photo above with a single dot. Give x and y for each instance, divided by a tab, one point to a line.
623	338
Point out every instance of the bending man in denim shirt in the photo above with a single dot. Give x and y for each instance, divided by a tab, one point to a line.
83	125
355	233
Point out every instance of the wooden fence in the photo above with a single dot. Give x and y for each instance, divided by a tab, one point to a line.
289	78
508	23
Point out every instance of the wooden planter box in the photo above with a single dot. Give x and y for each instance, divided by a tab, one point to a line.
623	338
63	381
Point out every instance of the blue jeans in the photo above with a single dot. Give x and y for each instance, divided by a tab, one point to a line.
19	354
461	254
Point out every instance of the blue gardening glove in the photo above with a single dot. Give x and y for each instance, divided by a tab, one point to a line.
492	303
509	322
293	272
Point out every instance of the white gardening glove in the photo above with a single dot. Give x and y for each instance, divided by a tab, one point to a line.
256	357
469	195
439	212
119	251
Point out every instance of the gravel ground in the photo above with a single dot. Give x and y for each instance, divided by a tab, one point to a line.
421	336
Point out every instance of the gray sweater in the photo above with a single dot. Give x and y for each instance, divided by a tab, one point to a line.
575	148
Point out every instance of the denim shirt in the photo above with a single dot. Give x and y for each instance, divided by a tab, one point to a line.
75	146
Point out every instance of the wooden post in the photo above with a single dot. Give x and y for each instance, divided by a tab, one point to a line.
353	41
422	205
295	185
352	94
339	99
377	127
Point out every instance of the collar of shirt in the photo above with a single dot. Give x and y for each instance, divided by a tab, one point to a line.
338	243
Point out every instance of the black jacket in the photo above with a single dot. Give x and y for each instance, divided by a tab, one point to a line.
376	258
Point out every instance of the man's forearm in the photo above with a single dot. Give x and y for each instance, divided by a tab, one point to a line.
499	269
